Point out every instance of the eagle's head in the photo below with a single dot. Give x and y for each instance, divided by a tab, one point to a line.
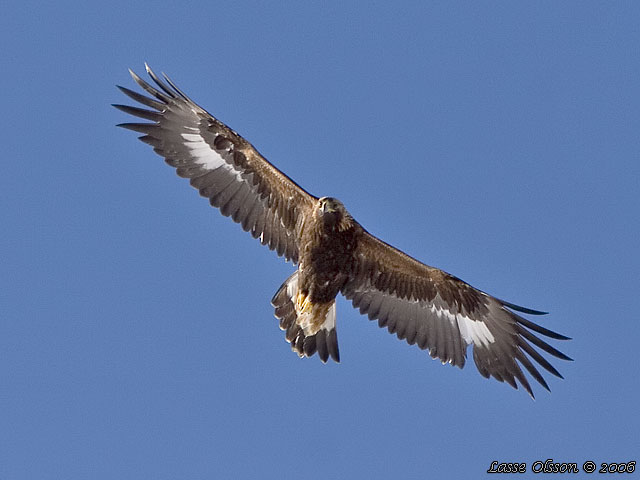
333	213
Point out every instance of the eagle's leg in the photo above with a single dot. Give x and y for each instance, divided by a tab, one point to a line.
298	314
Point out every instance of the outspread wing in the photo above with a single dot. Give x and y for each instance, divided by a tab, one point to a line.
441	313
221	164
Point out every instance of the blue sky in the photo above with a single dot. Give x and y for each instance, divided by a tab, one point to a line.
496	140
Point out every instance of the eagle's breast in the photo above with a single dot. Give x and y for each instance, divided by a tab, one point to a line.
327	257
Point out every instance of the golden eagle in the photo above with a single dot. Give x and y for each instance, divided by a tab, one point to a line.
334	253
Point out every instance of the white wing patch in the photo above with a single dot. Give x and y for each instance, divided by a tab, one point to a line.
473	331
206	156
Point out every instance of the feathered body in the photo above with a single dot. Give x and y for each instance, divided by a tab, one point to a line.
328	244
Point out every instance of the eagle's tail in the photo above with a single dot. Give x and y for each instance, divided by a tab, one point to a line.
296	314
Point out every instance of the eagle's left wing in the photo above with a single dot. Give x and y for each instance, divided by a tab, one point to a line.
441	313
221	164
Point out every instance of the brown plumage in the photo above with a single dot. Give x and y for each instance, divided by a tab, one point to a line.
420	304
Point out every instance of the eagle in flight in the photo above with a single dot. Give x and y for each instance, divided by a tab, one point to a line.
334	253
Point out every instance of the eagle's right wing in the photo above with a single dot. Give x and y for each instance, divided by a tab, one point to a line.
221	164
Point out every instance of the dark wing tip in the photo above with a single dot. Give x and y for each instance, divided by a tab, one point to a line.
145	128
139	112
518	308
135	76
537	328
530	391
